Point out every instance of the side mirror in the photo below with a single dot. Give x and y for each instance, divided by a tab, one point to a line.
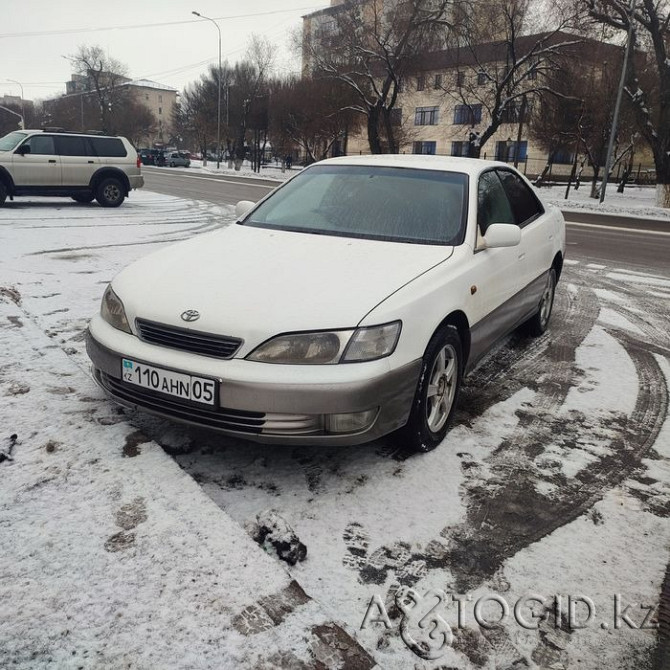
242	207
502	235
23	149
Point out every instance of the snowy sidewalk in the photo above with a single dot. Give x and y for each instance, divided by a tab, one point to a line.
111	556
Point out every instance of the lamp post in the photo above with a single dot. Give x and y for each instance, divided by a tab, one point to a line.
619	95
218	107
23	111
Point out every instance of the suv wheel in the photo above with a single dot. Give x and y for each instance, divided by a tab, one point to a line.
110	192
437	392
3	193
83	197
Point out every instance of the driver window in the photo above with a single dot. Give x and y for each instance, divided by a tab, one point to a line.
41	145
492	202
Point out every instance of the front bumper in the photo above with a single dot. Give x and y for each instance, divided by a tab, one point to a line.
278	411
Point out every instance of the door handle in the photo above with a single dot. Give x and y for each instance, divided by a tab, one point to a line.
90	162
522	256
52	161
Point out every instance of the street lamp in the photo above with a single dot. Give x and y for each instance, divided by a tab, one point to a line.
23	111
218	107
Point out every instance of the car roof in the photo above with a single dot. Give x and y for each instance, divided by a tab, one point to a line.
471	166
63	132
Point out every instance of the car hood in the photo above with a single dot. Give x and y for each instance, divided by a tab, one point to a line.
255	283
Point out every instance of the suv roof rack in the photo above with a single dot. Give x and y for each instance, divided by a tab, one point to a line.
73	132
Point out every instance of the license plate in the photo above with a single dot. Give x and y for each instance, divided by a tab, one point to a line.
187	387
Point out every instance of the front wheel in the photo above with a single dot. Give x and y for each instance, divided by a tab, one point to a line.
437	392
538	323
110	192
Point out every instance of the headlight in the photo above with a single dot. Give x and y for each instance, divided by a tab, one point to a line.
368	344
327	348
113	312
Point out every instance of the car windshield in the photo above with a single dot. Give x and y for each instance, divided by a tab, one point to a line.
8	142
370	202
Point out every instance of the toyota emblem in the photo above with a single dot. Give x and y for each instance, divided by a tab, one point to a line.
190	315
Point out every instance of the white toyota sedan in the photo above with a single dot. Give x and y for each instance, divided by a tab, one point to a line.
347	304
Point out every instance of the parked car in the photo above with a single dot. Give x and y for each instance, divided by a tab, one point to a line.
148	156
177	159
347	304
81	166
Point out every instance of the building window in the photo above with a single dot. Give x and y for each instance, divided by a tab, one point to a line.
426	116
146	96
460	78
160	98
469	115
426	148
460	148
438	81
507	151
481	78
420	83
563	156
160	110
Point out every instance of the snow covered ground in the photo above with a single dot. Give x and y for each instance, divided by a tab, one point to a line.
555	480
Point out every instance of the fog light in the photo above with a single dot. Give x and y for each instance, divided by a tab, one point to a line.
352	422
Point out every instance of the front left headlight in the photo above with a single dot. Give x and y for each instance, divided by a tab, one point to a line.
329	347
113	312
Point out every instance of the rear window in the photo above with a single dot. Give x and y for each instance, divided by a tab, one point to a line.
108	147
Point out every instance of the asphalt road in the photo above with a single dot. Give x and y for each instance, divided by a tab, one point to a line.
606	239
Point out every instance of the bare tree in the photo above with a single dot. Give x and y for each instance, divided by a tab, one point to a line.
577	117
103	76
368	45
501	69
307	113
648	76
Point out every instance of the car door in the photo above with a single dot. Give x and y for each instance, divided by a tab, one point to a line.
39	166
497	277
77	162
537	244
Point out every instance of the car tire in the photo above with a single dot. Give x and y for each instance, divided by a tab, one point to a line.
436	394
538	323
171	164
110	192
83	197
3	194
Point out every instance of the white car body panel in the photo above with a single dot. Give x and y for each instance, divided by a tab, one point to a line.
254	283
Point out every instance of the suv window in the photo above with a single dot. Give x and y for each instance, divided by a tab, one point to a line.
69	145
524	203
108	147
492	203
42	145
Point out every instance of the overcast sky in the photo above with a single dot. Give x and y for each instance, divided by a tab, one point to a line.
36	34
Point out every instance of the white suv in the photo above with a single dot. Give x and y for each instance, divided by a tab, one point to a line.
83	167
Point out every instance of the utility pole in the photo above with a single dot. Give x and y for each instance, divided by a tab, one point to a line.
218	107
23	111
619	95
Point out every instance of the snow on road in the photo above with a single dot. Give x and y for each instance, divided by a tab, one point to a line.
555	479
110	555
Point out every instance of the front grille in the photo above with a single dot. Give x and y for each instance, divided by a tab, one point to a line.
215	346
220	418
213	417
